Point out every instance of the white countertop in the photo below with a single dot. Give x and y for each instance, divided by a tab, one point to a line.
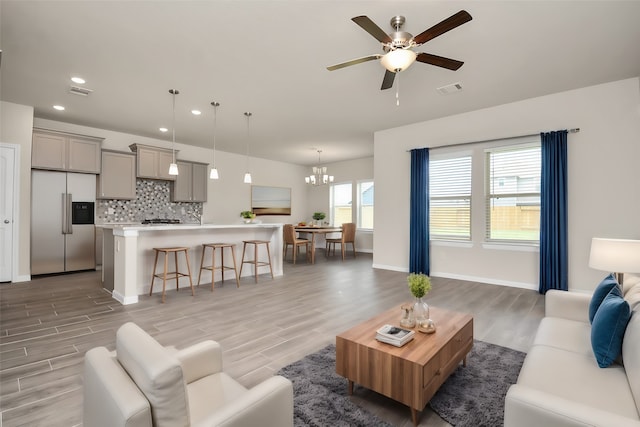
170	227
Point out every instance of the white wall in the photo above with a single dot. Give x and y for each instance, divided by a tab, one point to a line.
604	200
16	123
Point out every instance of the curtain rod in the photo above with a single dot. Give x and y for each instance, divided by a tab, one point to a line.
574	130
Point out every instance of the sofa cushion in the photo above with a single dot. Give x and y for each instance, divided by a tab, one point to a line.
577	377
631	290
209	394
631	354
608	328
599	294
570	335
157	373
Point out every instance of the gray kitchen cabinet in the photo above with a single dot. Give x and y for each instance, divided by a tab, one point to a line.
62	151
191	183
153	162
118	177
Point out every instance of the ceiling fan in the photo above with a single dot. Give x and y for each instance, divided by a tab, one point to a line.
398	46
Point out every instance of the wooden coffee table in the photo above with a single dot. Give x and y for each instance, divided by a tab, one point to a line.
410	374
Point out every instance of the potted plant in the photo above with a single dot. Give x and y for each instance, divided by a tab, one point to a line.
419	285
248	216
318	217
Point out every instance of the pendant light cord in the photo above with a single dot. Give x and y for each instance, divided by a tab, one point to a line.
215	128
248	138
173	126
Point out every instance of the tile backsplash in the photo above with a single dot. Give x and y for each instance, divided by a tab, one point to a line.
152	201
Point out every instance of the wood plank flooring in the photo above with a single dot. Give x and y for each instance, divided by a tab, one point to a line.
47	324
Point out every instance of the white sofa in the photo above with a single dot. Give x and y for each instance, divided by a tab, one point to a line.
144	384
560	383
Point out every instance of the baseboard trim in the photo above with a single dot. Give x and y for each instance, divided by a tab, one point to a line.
490	281
23	278
124	300
390	267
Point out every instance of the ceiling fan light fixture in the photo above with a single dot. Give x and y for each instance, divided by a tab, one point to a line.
398	60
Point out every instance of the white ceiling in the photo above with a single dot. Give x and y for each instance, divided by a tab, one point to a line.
270	58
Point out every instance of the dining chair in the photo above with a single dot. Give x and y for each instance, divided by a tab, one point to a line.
348	236
290	238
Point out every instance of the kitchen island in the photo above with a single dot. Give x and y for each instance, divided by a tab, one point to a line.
127	255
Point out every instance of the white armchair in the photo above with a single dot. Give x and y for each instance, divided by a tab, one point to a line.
143	384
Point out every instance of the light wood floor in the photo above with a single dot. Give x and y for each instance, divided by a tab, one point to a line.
49	323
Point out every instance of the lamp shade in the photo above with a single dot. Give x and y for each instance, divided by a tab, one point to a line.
213	174
173	169
398	60
615	255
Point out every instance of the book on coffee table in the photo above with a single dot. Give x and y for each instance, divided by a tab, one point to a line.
394	335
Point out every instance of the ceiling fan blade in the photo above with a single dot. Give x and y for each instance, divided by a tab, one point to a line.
442	27
370	27
354	62
439	61
387	81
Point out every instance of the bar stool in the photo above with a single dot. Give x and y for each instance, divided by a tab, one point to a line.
221	267
255	261
170	274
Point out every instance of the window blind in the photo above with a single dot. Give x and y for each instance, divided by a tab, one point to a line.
450	198
513	193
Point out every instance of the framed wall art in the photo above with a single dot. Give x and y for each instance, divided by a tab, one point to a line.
270	200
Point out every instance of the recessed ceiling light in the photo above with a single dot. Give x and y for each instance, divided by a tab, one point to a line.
59	107
164	130
78	80
196	112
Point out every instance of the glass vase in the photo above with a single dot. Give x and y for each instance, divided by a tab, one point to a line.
407	320
420	311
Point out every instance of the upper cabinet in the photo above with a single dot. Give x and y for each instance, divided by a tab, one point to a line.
191	182
153	162
118	177
62	151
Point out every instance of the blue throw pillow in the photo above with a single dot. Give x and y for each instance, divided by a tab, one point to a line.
602	290
608	327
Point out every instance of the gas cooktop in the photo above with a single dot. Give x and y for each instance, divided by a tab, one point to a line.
161	221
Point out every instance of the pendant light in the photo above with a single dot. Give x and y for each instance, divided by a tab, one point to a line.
173	167
247	175
214	172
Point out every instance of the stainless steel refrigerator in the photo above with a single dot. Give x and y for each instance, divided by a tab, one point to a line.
62	222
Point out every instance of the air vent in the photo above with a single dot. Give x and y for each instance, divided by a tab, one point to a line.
77	90
453	87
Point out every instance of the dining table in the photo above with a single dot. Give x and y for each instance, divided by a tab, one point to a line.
314	230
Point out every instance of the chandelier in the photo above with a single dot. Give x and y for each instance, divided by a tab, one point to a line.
319	175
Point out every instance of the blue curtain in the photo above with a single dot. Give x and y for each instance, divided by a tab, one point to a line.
419	212
553	212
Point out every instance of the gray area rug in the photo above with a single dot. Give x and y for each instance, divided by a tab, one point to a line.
472	396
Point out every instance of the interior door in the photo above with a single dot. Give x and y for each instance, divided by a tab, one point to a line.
7	170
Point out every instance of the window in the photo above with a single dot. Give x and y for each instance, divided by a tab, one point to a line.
341	204
450	198
513	193
365	204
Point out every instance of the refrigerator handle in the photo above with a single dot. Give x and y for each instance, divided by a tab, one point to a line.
64	213
69	214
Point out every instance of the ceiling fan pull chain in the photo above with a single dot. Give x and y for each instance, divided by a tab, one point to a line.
398	90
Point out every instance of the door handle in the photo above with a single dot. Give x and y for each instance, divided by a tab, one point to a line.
64	213
69	213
